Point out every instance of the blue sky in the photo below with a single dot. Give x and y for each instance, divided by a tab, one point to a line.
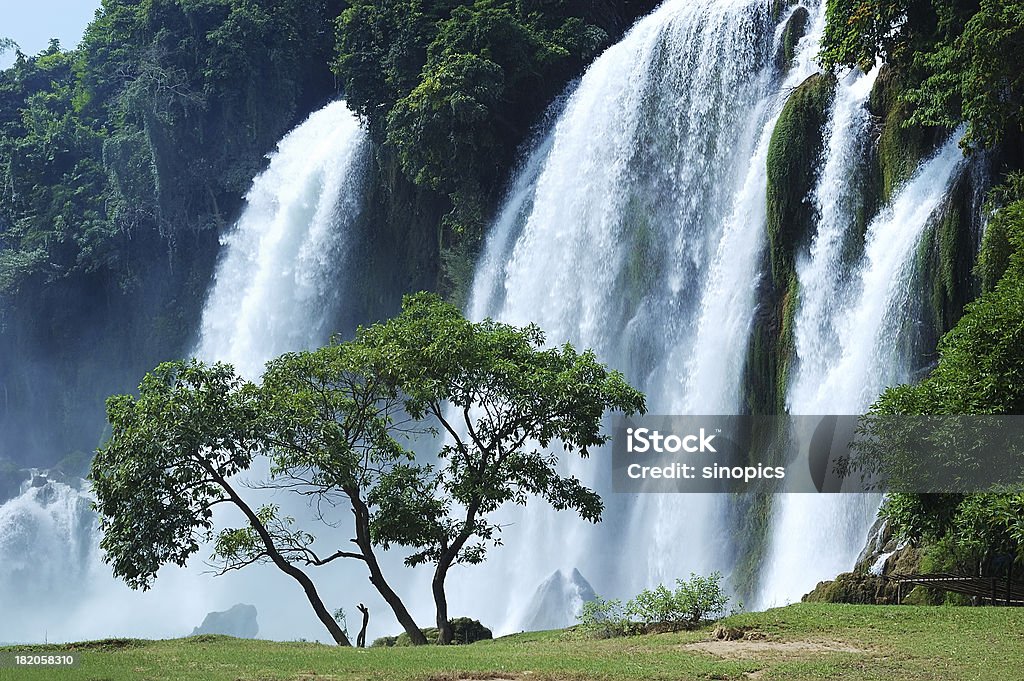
31	23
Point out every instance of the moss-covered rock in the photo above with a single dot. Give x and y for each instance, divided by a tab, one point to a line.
796	28
946	260
1004	231
794	158
857	589
901	147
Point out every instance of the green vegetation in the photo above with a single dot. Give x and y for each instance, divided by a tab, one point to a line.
800	642
964	57
901	145
980	371
158	122
333	423
693	602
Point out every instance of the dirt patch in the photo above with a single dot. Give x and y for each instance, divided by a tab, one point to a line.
746	649
483	676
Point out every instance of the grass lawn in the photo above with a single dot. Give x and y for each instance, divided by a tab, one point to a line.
806	641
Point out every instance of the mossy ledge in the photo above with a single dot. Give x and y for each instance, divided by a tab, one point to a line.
794	155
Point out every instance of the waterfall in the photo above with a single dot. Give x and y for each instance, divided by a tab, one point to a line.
851	340
46	544
636	226
277	285
637	229
277	288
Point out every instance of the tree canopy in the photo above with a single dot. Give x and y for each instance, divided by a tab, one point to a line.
965	58
506	406
341	426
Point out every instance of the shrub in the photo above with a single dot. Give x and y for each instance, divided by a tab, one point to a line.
693	602
464	630
602	618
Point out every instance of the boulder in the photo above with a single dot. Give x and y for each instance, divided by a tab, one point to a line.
238	621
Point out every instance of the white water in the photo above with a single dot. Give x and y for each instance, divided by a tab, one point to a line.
277	284
852	343
277	287
53	586
637	229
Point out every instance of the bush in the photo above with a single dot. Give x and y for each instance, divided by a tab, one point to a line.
602	618
464	630
694	601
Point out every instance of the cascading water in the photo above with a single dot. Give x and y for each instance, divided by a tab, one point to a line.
46	537
851	345
641	237
277	288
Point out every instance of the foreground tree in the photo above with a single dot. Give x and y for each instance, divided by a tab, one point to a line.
176	449
332	423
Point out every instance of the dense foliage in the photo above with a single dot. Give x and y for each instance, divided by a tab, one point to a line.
454	86
159	120
981	371
964	57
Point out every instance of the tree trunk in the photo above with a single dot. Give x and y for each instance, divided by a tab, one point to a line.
361	638
365	545
444	625
444	563
337	633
